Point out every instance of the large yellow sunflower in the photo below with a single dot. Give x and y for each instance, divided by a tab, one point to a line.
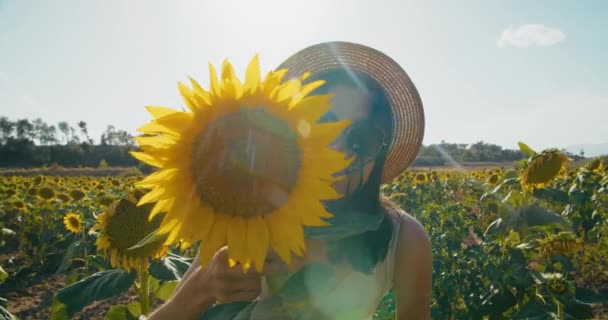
122	227
246	166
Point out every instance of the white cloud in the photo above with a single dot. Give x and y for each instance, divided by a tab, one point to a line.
530	35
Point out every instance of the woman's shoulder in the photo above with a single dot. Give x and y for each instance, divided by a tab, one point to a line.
411	233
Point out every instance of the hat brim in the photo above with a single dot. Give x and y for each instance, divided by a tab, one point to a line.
405	102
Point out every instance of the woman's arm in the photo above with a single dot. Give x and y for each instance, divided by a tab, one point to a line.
201	287
195	263
413	271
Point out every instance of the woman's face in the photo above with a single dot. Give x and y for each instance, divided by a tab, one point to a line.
352	104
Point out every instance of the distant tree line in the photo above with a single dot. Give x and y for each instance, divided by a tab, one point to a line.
444	153
28	143
450	153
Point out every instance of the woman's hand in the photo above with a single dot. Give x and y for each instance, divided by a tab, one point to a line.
230	284
201	287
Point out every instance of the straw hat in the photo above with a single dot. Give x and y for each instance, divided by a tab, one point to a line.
405	103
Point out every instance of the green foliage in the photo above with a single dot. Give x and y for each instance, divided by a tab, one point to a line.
103	164
5	315
119	312
526	149
98	286
500	253
3	275
171	267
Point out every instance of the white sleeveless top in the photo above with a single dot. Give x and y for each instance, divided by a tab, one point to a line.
356	295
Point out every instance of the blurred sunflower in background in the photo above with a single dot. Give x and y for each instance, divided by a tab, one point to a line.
493	179
123	226
542	168
220	179
595	165
73	222
421	178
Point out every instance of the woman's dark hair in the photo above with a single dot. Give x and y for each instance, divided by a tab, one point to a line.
363	251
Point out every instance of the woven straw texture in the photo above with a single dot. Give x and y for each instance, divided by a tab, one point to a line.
406	106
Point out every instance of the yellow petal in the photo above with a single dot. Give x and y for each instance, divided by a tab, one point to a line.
252	76
304	91
200	220
214	84
200	94
258	240
174	233
215	240
231	84
311	214
227	71
144	157
114	258
176	121
155	140
312	108
152	196
305	76
287	90
157	177
237	239
328	131
273	79
158	112
160	207
167	225
187	96
279	232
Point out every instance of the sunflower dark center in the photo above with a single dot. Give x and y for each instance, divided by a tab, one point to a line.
74	222
246	163
129	225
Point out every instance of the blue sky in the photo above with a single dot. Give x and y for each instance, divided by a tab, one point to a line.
498	71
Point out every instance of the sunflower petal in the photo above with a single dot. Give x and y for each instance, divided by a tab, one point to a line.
144	157
161	206
304	91
155	141
188	96
200	94
328	131
152	196
157	178
214	241
312	108
258	240
252	75
273	79
287	90
280	235
237	239
214	84
159	112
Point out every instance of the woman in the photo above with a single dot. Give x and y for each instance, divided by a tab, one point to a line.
387	248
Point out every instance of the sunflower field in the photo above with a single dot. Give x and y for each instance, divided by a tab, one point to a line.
524	243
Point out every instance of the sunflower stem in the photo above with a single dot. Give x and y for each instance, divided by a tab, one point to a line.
85	253
144	289
560	310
